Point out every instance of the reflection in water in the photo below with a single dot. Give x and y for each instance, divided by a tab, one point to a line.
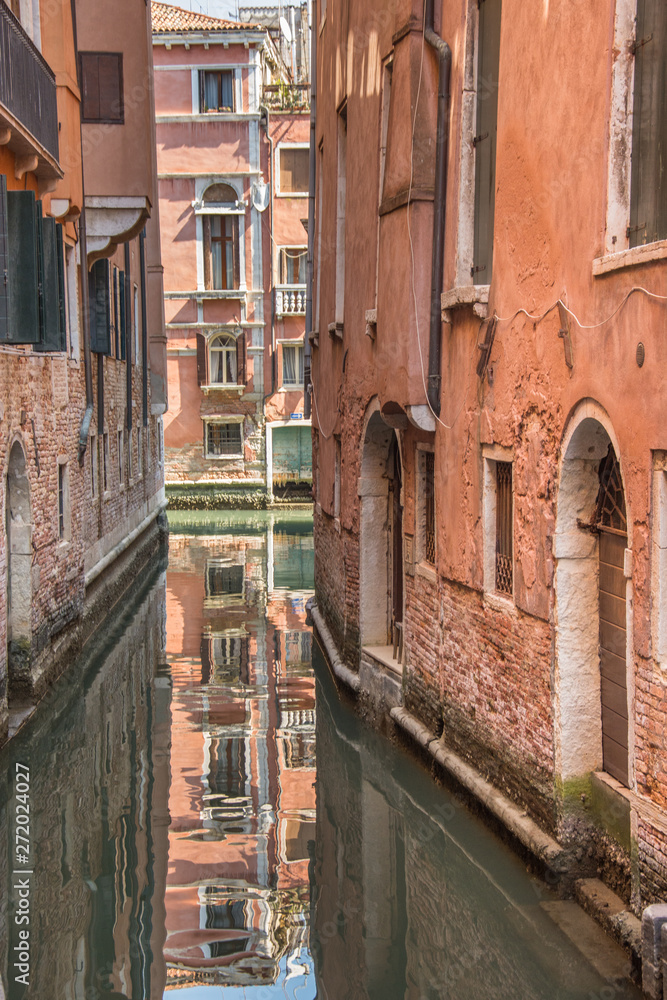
242	799
412	898
97	754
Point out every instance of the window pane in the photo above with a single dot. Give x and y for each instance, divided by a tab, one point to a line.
227	89
210	91
224	439
289	372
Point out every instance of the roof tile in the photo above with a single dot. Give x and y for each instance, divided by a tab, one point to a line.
167	17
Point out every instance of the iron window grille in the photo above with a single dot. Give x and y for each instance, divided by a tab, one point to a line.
429	507
223	439
504	533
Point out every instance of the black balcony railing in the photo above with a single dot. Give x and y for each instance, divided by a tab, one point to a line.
27	84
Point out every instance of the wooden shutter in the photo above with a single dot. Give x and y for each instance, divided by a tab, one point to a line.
202	351
116	321
102	85
648	198
235	251
240	359
206	240
4	263
100	317
485	138
62	311
202	92
50	288
121	312
22	268
39	241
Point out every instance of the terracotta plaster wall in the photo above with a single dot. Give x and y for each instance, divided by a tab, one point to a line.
491	676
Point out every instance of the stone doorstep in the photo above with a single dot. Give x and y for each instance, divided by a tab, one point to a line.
600	902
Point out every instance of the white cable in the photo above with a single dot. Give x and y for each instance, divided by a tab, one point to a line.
582	326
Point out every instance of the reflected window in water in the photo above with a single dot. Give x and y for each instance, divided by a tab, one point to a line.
223	579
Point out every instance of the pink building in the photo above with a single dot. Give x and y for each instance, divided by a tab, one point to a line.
233	183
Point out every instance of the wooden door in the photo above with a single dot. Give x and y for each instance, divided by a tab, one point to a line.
613	673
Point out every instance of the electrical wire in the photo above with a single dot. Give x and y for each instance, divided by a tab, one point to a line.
582	326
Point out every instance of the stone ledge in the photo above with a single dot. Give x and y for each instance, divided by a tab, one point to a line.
460	296
610	911
646	254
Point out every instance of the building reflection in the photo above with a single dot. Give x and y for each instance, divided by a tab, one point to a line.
98	754
242	795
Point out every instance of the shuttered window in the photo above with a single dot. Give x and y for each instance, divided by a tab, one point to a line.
100	318
22	269
102	86
294	170
51	286
648	197
485	138
4	262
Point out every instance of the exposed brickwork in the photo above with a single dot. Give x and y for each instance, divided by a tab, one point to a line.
337	583
652	857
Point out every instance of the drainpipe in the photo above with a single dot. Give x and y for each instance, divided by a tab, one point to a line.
83	253
307	349
264	113
444	55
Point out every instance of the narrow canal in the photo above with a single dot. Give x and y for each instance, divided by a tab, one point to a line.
207	817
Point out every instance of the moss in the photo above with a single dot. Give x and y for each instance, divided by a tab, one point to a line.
593	800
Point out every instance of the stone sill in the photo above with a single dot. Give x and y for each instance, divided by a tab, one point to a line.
646	254
460	296
427	571
206	389
224	458
385	656
499	602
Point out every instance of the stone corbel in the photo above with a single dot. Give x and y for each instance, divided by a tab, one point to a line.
5	136
421	417
59	207
112	221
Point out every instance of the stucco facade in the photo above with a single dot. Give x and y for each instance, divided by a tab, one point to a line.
467	490
82	471
234	255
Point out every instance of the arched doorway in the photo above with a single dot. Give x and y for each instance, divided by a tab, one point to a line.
19	564
592	716
381	534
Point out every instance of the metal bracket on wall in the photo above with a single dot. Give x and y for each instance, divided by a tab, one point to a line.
486	346
565	335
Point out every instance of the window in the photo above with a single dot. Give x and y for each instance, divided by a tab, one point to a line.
216	90
102	87
498	522
222	439
105	461
136	325
341	199
160	442
504	533
293	365
121	463
484	140
222	579
294	169
337	475
93	465
223	360
292	265
99	307
129	454
220	232
62	476
140	452
425	514
648	194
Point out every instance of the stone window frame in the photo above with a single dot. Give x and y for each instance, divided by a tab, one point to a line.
491	456
201	209
282	344
659	560
237	70
225	418
64	508
617	252
422	566
229	347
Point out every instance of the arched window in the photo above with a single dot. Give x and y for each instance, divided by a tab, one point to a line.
221	238
224	368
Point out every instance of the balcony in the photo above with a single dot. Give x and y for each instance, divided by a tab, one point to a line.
28	105
290	300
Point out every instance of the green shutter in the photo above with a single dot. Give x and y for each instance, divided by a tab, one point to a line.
50	320
22	268
100	319
123	315
485	138
62	310
648	197
4	288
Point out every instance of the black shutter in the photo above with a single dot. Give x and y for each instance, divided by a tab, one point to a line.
62	311
22	268
116	326
201	360
123	314
100	318
485	139
4	263
50	287
648	198
240	359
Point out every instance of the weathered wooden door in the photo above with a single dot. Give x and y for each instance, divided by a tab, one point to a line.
612	526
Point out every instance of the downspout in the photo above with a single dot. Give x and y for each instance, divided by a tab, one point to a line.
83	253
307	347
444	55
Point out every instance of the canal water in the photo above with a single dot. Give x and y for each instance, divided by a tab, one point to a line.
193	812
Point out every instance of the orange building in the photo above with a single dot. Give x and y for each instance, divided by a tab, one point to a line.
488	380
81	328
233	173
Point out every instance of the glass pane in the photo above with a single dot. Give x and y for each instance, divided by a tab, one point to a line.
289	372
210	91
227	88
299	354
216	265
230	356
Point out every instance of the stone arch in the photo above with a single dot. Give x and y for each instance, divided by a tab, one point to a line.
18	516
220	194
578	716
380	447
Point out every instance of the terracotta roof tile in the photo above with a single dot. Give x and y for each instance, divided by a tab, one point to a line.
166	17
